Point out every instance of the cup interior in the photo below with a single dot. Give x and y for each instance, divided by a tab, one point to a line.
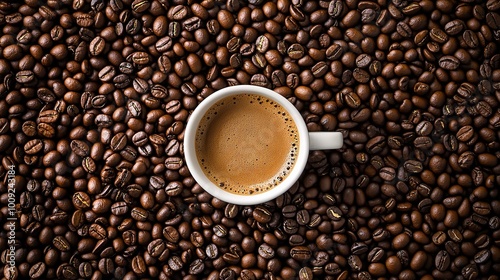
196	169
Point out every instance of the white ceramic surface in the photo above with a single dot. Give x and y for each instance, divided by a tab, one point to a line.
308	141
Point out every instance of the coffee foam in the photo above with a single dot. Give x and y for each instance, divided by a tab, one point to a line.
258	150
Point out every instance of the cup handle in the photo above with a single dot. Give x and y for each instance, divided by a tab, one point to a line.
323	140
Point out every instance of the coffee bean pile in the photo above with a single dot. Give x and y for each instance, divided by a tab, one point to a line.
95	95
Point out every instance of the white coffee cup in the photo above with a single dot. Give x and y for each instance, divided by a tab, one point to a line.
308	141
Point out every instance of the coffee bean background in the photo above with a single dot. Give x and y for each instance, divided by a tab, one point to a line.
95	96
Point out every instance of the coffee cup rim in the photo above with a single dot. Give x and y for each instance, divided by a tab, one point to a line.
196	170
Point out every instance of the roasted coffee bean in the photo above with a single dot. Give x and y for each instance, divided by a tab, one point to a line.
175	263
442	260
289	211
122	178
438	35
296	240
26	200
140	85
334	52
38	212
196	267
376	144
132	27
121	81
466	90
124	67
33	146
295	51
292	80
178	12
423	142
466	159
454	27
265	251
482	256
261	214
439	238
300	253
158	91
66	271
403	257
156	248
139	214
319	69
363	60
85	269
465	133
262	44
140	58
470	38
387	173
404	29
213	26
359	248
140	6
191	24
37	270
413	166
118	142
449	62
231	211
174	163
106	266
450	142
424	128
305	273
171	234
220	231
376	254
227	273
260	80
455	235
107	73
119	208
173	106
84	19
303	217
61	243
211	251
140	139
470	271
352	99
481	208
25	76
85	100
493	223
482	241
97	45
231	258
98	101
97	231
334	213
81	200
29	128
80	148
172	147
48	116
335	8
355	262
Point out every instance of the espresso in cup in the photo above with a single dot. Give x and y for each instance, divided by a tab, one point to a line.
246	144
